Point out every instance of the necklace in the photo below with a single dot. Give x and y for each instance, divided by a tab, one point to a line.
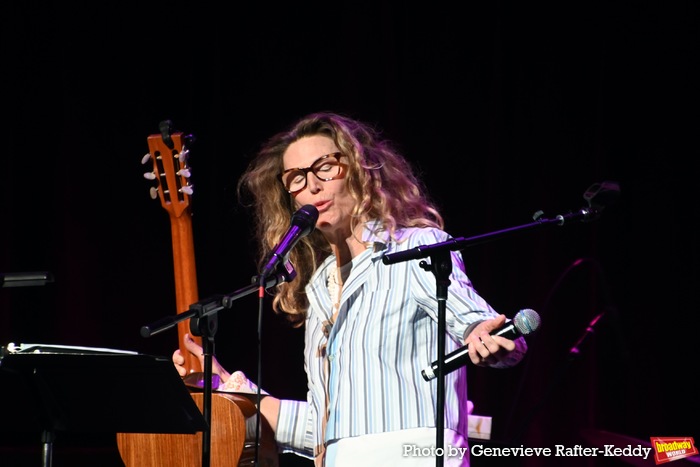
335	288
336	279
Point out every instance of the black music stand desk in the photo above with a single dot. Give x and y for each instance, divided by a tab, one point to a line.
58	389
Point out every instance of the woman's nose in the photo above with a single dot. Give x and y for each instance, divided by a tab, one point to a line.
313	183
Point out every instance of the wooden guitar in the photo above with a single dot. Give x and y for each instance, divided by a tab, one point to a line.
168	153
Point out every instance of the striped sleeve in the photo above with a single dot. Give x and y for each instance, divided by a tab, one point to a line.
294	429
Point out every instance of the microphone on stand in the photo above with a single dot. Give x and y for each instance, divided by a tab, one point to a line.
25	279
303	222
598	196
525	322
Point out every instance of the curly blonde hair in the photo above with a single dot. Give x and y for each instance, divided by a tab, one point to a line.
381	181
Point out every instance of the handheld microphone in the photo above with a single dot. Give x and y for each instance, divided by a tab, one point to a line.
525	322
303	222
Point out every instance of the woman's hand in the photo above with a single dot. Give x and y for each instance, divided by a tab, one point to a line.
196	350
488	350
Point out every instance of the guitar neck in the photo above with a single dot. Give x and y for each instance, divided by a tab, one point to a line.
185	282
168	155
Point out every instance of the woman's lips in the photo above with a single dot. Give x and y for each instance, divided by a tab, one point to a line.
322	205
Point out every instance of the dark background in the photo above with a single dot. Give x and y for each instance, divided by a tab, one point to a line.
505	109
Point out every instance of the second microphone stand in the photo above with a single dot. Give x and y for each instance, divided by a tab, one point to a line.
204	322
441	266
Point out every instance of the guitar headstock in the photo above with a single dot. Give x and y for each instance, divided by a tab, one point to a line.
168	153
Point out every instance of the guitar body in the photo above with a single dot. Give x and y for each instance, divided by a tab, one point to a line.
230	413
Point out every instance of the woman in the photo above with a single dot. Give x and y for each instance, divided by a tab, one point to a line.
369	327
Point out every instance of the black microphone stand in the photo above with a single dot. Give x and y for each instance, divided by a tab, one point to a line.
204	322
441	267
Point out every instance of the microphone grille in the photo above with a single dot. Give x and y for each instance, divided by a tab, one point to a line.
306	218
526	321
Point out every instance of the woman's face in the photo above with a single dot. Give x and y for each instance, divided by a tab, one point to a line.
330	197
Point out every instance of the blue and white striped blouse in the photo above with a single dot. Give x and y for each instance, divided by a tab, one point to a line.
369	366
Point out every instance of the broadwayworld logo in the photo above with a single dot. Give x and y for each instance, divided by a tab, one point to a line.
671	449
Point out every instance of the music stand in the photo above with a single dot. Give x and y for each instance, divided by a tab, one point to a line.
95	392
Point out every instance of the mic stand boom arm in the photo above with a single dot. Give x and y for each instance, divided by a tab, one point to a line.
459	243
214	304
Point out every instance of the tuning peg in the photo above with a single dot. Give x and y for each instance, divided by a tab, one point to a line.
154	192
184	173
184	155
146	158
149	175
187	190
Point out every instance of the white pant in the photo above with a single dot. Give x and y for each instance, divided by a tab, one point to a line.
405	448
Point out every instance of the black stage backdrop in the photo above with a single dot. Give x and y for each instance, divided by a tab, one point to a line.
506	110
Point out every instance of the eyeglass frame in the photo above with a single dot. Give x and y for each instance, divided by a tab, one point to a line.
337	155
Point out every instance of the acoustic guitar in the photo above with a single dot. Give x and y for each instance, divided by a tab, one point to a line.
230	413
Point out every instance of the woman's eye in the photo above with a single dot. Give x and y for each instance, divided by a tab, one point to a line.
296	177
